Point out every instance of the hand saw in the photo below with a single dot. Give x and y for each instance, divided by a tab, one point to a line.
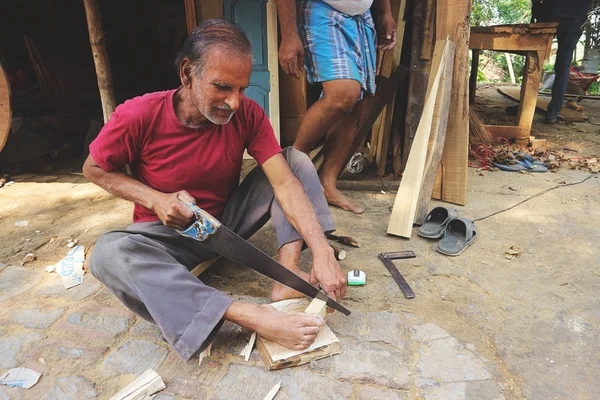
220	239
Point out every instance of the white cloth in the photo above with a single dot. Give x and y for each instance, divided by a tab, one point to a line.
350	7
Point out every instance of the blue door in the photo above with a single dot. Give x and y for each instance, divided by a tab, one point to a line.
251	15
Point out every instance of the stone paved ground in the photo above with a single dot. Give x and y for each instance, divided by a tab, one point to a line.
481	327
92	346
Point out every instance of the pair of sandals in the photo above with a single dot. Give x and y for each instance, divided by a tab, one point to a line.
521	162
457	233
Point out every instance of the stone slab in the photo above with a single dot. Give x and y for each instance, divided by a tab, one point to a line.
17	280
447	360
133	357
73	387
12	349
36	318
367	362
381	326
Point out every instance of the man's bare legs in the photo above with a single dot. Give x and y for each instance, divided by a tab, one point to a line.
337	146
289	257
339	98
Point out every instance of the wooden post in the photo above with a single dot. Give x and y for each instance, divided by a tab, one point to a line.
453	21
473	77
529	92
98	43
191	16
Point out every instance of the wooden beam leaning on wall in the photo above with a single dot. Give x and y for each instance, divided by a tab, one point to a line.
437	137
452	18
390	63
405	204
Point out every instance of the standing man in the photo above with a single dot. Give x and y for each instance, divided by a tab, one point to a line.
338	38
570	16
187	144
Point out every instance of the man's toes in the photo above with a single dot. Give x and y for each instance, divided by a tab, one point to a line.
311	330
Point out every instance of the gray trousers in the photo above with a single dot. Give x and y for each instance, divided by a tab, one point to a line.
147	265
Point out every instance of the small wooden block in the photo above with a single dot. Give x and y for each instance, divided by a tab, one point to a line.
143	387
539	145
276	356
317	306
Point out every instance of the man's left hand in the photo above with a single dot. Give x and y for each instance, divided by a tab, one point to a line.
387	32
327	272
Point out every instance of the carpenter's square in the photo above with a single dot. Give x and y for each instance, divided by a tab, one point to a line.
220	239
387	261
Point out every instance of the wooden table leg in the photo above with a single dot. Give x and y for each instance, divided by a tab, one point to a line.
532	74
473	76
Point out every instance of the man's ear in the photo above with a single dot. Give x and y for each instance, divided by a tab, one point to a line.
185	72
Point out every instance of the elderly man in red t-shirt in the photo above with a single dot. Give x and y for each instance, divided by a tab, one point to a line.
188	143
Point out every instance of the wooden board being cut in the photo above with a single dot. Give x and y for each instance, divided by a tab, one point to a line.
567	114
276	356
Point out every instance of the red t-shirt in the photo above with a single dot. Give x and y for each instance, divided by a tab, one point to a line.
168	156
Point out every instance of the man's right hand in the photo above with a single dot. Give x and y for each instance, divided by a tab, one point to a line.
171	211
291	56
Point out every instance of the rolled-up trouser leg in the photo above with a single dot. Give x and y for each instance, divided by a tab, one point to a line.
253	201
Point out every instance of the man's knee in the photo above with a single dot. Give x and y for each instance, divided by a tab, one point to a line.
103	255
342	97
298	161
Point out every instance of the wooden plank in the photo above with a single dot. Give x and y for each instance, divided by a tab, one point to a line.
567	114
190	15
508	42
5	107
438	127
211	9
276	356
419	73
405	204
509	132
529	89
383	140
428	31
143	387
318	307
473	77
203	266
452	21
273	65
100	56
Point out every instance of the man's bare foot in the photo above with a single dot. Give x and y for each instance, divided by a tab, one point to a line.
336	198
282	292
296	331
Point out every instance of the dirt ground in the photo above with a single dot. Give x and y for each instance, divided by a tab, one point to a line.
534	320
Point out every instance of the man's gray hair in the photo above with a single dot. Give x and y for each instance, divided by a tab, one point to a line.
212	33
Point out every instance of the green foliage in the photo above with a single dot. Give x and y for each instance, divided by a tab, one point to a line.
498	12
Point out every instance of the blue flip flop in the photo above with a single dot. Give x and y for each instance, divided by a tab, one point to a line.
526	164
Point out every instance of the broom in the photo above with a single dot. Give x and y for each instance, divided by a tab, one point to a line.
478	133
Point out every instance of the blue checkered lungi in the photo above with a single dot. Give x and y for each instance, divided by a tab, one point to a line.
337	45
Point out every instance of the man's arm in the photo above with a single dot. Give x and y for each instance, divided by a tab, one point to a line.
169	209
300	213
291	51
386	26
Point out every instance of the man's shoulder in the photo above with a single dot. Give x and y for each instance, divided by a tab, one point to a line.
143	106
250	110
